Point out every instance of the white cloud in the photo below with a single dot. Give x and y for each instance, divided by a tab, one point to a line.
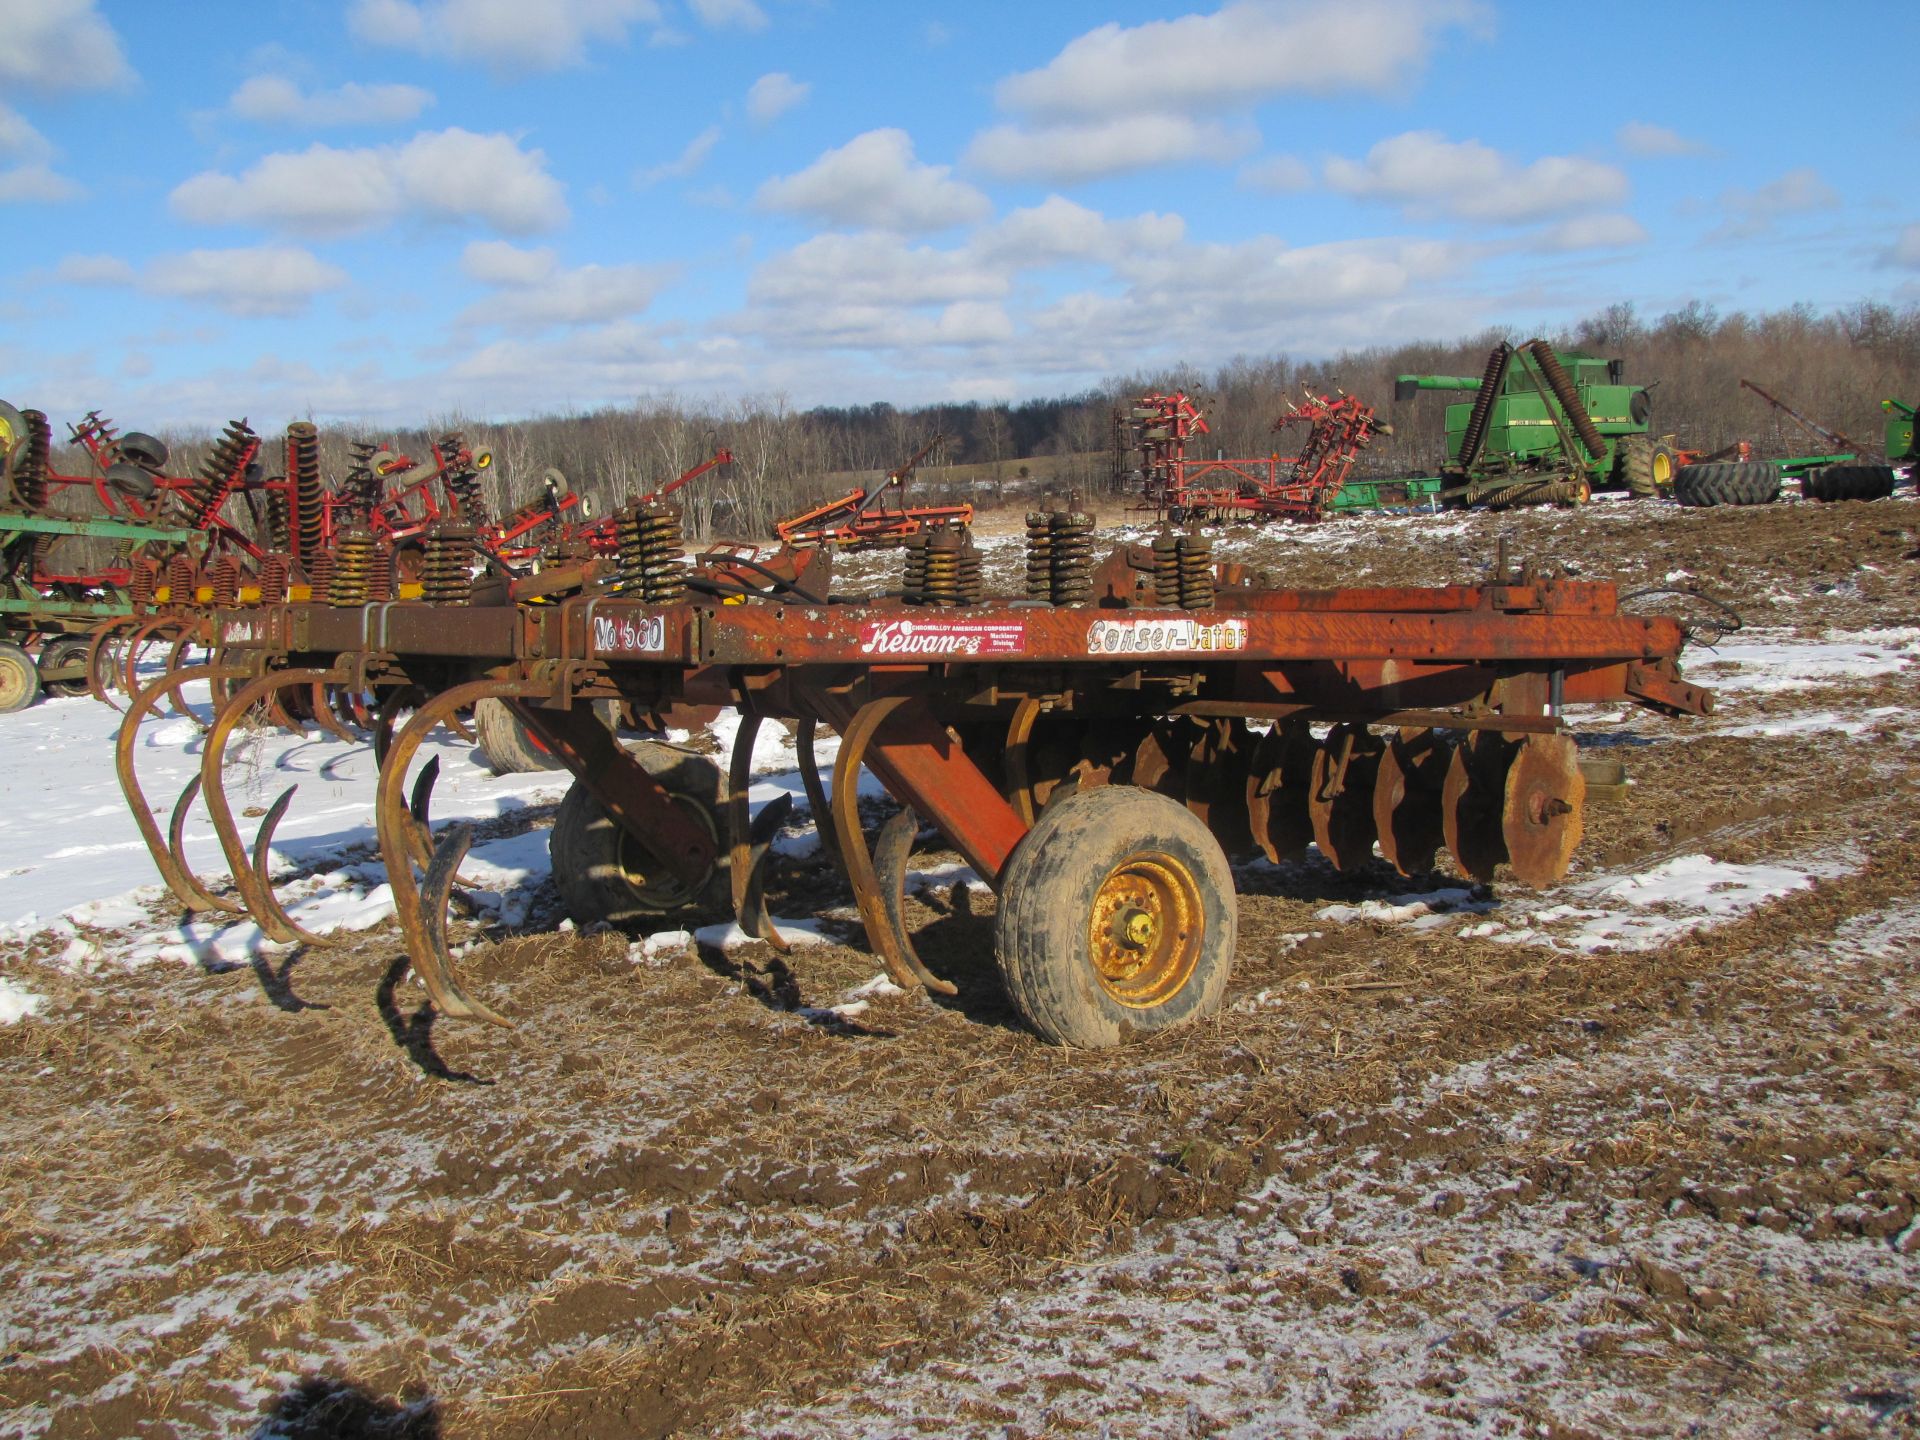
873	180
94	270
773	95
36	185
1752	212
20	141
872	270
1594	232
1242	53
1059	230
444	175
1637	138
534	293
686	163
276	100
59	45
1430	176
250	281
1067	153
1278	175
723	14
1905	251
509	35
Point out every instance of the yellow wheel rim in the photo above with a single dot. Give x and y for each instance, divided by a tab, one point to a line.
1662	468
1146	930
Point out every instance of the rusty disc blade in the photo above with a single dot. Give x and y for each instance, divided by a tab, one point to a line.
1471	802
1545	805
1340	796
1278	779
1406	799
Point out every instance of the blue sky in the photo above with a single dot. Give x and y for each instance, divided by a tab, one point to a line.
390	209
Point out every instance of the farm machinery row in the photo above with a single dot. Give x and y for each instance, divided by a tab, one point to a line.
1095	747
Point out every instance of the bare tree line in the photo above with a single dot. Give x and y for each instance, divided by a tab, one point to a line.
1835	367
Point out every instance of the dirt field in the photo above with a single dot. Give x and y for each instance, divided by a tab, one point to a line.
1633	1156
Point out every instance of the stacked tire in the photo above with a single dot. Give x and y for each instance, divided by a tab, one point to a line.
1848	482
1736	482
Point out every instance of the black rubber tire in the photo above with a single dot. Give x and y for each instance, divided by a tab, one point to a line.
601	871
143	449
61	651
507	745
1848	482
1048	903
127	478
1734	482
19	678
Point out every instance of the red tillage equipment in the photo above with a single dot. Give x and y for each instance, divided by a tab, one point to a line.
1154	435
1096	748
872	519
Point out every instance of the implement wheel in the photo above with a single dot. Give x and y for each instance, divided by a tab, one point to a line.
507	745
60	653
1117	918
19	678
604	874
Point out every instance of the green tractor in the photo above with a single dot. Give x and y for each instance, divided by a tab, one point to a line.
1547	427
1901	449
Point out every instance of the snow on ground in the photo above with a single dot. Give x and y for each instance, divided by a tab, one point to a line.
1771	661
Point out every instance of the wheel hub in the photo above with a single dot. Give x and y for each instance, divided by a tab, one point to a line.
1145	930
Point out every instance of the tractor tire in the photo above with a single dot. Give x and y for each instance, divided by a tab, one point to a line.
507	745
605	875
1848	482
19	678
1646	466
57	654
1117	918
1734	482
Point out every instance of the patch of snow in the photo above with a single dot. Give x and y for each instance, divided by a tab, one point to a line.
17	1002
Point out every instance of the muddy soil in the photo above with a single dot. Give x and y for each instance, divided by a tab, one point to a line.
1441	1167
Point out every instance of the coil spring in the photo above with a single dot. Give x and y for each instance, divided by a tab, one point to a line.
225	576
948	569
446	571
276	575
1039	556
361	486
650	553
1196	572
1072	557
456	462
319	569
221	473
913	580
30	472
143	581
183	580
1166	569
347	580
380	572
303	480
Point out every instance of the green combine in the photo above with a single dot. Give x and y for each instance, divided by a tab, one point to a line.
1546	427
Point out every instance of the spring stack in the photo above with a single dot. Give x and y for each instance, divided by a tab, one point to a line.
1196	572
650	553
1166	569
462	479
225	576
303	479
946	567
319	570
183	580
1039	556
1072	557
222	473
380	573
446	573
276	575
30	470
361	488
352	562
913	582
143	582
